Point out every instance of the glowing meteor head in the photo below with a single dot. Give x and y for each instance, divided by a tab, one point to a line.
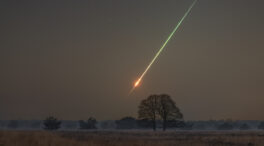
137	83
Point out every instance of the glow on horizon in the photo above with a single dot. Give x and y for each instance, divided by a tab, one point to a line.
162	47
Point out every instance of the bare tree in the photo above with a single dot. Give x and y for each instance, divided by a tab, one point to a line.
148	109
159	106
167	109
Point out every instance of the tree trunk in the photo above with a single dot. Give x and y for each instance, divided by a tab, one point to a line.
154	117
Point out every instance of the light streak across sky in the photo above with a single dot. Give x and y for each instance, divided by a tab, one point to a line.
162	47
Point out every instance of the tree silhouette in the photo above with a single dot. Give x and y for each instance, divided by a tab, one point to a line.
89	124
159	106
167	110
51	123
148	109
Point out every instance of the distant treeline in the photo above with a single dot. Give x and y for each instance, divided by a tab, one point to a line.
132	123
154	112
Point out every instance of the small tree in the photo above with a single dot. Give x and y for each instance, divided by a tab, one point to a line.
51	123
167	110
148	109
89	124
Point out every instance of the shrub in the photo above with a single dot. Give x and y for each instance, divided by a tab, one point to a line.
51	123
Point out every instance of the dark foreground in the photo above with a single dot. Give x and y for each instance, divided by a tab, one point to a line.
132	138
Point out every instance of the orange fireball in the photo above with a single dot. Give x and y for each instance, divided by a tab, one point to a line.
137	83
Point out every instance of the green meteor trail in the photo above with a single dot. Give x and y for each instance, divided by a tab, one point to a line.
163	46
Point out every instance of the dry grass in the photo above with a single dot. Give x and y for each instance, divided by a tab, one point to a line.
131	138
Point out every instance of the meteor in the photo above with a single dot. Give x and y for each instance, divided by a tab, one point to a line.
162	47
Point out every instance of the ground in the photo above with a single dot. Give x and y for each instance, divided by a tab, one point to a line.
131	138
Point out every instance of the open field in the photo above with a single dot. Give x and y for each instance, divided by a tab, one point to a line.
131	138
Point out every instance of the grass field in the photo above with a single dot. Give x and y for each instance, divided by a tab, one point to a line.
132	138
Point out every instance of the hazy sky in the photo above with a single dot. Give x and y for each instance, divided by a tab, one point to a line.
79	58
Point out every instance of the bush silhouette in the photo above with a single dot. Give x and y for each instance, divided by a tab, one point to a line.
51	123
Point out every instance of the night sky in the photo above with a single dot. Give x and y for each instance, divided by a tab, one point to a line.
80	58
